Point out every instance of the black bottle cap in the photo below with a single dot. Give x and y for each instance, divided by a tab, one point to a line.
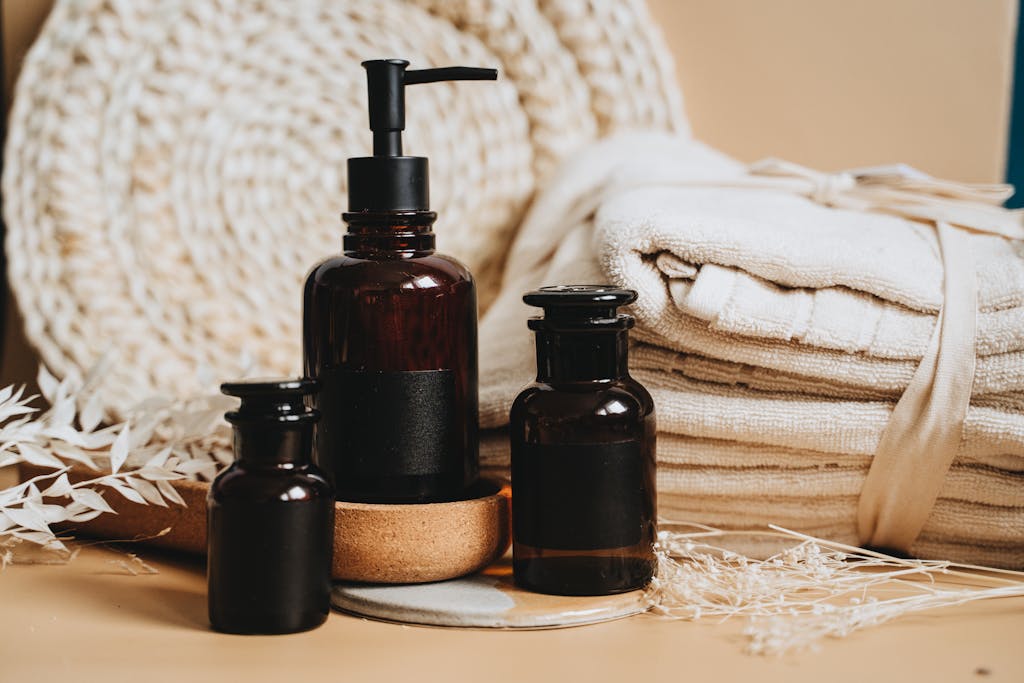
273	401
388	181
580	308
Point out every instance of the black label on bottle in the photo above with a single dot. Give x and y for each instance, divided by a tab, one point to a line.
579	496
388	424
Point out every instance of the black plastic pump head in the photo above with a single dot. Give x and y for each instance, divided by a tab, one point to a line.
580	308
388	181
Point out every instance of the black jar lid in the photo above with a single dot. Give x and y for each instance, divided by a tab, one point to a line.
280	401
581	307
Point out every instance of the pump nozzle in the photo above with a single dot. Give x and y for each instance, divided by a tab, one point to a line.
399	183
386	80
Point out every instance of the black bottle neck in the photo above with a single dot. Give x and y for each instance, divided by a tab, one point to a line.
372	232
581	356
266	445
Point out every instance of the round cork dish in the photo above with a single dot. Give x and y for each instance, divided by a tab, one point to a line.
419	543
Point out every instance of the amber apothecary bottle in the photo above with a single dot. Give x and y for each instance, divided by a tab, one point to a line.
583	451
390	327
270	517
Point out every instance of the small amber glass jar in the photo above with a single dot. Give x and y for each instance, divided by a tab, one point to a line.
583	451
270	517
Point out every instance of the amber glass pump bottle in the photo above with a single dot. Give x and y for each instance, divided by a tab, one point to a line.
390	326
270	517
583	441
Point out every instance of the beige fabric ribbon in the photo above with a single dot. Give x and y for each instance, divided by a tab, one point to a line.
920	441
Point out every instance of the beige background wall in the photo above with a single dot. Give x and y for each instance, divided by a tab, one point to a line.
828	83
840	83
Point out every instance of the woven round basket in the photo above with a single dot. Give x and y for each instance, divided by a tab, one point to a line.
174	168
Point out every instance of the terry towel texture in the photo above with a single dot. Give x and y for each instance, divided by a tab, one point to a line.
776	335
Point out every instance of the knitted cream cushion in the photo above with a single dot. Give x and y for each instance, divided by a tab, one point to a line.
175	167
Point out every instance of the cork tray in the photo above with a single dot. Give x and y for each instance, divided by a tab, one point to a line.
378	543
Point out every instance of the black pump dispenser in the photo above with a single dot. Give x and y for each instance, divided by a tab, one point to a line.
390	325
389	181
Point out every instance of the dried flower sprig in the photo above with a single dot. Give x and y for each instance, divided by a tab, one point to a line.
810	590
161	440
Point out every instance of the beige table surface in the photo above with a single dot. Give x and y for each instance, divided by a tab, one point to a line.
91	621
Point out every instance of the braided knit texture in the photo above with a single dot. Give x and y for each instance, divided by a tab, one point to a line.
174	167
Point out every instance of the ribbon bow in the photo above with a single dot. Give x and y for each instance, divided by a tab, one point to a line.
901	190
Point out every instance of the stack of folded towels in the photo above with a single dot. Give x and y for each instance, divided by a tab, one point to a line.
776	334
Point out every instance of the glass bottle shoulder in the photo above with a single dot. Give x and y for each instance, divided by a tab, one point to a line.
270	484
603	401
413	271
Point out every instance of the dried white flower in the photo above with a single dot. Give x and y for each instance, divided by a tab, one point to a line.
160	441
808	591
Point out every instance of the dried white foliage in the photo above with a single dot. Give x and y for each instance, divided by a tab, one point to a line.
811	590
160	441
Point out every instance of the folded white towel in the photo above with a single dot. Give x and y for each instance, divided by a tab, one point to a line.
773	327
847	296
